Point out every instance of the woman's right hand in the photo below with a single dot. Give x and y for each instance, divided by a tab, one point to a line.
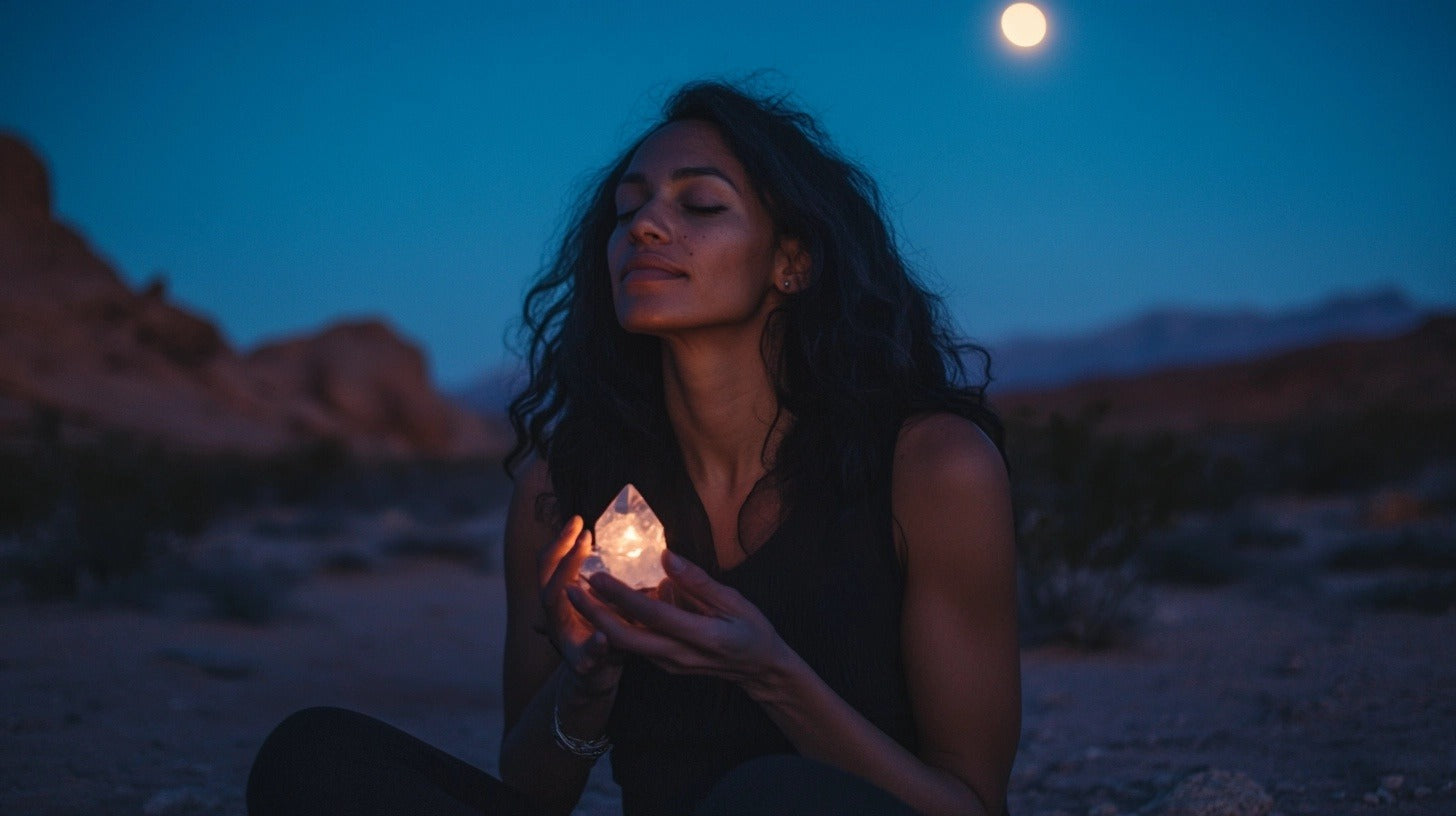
595	666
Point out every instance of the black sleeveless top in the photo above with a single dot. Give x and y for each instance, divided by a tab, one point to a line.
827	577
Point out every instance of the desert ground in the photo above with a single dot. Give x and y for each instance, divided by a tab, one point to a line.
1328	706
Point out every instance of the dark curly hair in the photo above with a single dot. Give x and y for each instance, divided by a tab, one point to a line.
860	349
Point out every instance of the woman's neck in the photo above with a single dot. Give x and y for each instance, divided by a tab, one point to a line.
722	406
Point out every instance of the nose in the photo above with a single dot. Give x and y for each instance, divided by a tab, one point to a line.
647	225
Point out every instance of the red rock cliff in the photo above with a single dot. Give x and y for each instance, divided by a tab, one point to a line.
75	339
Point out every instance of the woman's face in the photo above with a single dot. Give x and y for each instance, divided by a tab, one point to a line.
693	247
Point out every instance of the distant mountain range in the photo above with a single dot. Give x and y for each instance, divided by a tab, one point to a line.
1413	373
1155	341
1173	338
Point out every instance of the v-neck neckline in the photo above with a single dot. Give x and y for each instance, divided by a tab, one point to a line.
702	525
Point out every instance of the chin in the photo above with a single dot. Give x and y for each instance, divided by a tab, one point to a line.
642	321
649	315
663	316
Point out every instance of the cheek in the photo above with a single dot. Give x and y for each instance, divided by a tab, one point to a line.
616	244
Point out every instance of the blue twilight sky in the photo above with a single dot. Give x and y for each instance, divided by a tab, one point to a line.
286	164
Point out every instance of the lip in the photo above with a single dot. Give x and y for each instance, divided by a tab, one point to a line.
655	267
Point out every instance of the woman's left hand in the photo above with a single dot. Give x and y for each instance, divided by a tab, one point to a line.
724	635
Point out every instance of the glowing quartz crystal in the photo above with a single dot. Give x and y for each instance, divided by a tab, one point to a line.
627	542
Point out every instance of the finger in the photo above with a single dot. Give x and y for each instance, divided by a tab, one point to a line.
600	650
623	635
690	581
664	592
654	614
552	553
674	666
567	568
596	614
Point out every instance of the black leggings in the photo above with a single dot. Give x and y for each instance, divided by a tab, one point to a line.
333	761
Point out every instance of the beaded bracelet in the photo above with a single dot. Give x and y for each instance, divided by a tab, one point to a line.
584	748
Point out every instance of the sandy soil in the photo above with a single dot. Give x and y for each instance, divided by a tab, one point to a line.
116	712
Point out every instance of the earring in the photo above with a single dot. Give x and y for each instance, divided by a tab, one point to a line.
787	285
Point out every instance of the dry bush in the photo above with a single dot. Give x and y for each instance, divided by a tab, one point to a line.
110	520
1087	502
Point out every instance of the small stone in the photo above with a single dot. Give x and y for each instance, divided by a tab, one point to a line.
1392	782
628	542
1217	793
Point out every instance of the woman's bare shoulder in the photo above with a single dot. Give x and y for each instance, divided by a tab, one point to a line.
950	490
943	452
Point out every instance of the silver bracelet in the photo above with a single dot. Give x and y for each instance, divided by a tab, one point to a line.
584	748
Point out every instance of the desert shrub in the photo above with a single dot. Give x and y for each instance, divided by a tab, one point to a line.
1086	502
220	589
1341	452
314	524
474	551
1090	607
94	514
1210	550
242	592
101	512
1250	536
346	562
1187	560
1430	595
1408	548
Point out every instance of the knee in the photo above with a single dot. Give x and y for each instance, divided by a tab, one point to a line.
308	731
294	750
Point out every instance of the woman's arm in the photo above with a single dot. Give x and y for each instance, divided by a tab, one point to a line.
539	563
952	502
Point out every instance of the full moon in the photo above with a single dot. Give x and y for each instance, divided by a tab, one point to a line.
1023	24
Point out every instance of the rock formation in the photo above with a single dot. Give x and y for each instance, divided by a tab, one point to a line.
77	344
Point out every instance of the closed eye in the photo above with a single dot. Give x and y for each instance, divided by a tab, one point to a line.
705	209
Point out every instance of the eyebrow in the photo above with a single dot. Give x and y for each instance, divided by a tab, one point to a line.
680	174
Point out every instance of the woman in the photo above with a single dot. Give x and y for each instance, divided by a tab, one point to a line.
729	326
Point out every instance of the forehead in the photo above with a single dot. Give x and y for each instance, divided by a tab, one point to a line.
688	143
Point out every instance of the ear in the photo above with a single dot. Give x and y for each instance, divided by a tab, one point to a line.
792	267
